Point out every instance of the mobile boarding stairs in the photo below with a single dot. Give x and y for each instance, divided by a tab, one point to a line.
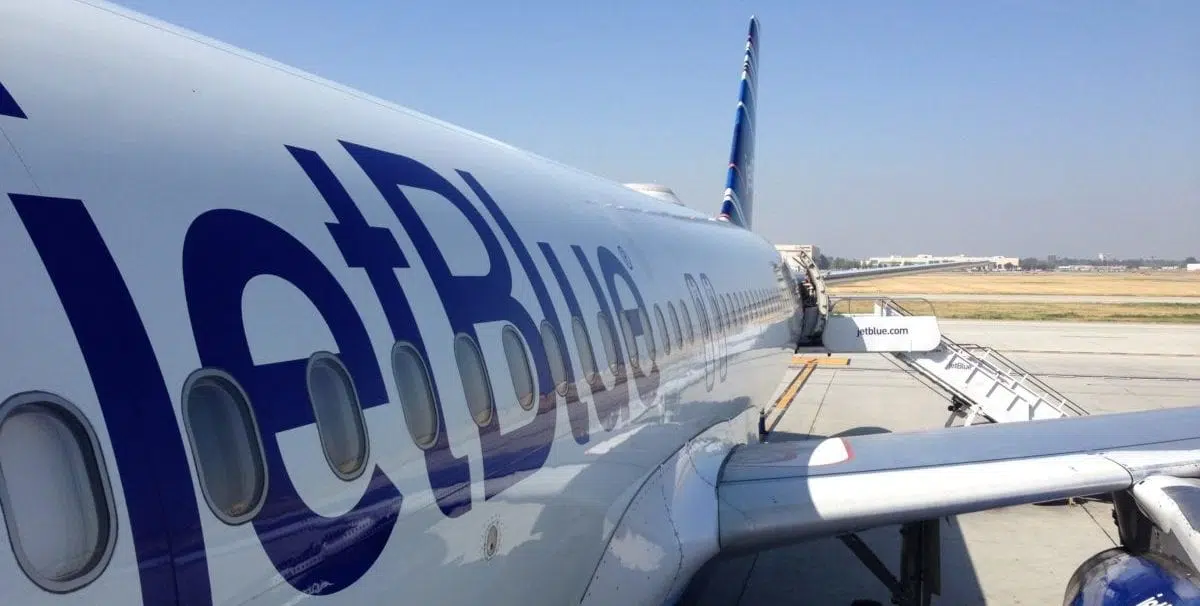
981	385
979	382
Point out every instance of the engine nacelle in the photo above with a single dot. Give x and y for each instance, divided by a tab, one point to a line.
1116	576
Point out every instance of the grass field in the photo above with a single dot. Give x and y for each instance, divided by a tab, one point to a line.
1182	313
1156	284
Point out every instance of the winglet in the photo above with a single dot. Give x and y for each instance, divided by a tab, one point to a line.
738	205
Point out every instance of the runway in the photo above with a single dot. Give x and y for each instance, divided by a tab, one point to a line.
1054	298
1016	555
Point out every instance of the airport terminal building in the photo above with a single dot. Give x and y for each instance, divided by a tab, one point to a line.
995	263
790	252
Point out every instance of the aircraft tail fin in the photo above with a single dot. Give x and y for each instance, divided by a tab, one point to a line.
738	205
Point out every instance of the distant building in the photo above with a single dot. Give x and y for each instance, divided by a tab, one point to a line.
997	262
1193	266
1102	268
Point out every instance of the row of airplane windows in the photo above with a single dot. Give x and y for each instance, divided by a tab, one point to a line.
61	519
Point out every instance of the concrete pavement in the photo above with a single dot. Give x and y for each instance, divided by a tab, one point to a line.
1017	555
1194	300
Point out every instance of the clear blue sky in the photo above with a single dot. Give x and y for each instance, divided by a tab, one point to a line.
1014	127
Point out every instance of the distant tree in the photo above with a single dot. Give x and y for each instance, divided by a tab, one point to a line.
1189	260
822	262
1032	263
841	263
1009	266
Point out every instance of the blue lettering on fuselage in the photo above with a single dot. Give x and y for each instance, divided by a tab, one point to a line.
223	251
614	408
375	250
524	448
134	399
612	268
576	411
578	415
8	105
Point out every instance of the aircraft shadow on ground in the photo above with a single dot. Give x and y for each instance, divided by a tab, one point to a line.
825	571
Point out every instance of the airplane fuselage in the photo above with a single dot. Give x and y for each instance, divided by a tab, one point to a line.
311	343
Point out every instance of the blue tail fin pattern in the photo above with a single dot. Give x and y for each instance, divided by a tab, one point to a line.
738	206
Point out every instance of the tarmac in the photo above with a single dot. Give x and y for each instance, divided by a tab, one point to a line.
1009	556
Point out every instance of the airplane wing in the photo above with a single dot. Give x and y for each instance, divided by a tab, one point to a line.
771	494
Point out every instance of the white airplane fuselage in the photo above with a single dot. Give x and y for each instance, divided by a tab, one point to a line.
179	216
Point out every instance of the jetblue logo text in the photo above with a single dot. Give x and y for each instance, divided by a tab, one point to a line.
871	331
224	249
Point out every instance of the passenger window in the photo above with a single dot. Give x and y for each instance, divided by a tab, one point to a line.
558	368
631	346
587	356
702	314
518	367
718	326
651	343
339	415
416	394
476	385
675	325
54	492
662	330
225	445
687	323
609	341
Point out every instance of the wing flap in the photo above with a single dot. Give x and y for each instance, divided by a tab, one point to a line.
767	513
778	493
